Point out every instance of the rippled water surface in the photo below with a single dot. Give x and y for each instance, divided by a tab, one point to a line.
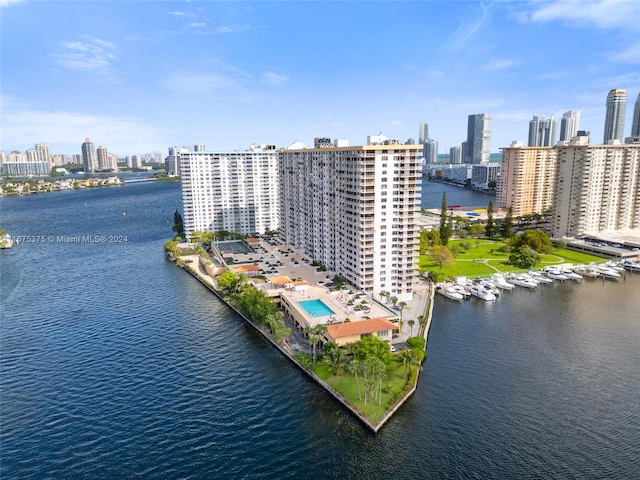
116	364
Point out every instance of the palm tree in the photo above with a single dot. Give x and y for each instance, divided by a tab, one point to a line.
405	358
394	300
402	305
313	341
422	319
335	358
355	366
411	323
383	294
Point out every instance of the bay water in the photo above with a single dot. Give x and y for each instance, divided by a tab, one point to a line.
114	363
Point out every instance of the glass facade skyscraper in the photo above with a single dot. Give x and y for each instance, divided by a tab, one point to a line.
614	118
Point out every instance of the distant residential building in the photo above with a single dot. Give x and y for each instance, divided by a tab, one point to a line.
483	174
340	142
423	133
76	158
32	155
199	147
379	139
353	210
112	162
322	142
542	132
464	152
635	124
478	138
614	118
297	146
455	155
233	191
569	125
430	151
42	150
458	173
136	161
527	179
103	158
26	169
598	189
89	156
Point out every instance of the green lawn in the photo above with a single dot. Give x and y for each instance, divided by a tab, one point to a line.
484	254
394	383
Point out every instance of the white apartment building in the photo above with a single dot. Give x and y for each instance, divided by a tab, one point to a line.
353	209
233	191
527	179
598	189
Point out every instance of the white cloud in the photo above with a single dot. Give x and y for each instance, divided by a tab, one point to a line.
629	55
606	14
274	79
499	64
233	28
93	55
469	26
6	3
395	123
64	131
179	13
223	86
196	25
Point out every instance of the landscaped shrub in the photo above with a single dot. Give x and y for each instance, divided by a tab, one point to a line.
417	342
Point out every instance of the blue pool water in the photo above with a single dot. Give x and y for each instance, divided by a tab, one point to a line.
316	308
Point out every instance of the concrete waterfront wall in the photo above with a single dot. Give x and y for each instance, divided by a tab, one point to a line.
288	353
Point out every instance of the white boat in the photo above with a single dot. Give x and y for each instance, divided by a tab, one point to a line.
587	271
539	278
522	281
572	275
555	274
487	286
461	290
481	293
607	272
500	282
449	291
631	266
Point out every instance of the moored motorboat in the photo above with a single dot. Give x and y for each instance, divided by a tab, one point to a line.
539	278
631	266
522	281
500	282
449	291
481	293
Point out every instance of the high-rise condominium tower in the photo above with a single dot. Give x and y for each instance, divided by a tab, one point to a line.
233	191
103	158
89	156
614	118
353	209
42	150
430	151
542	131
455	155
635	125
423	134
478	138
569	125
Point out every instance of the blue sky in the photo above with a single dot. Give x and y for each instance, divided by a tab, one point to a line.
138	77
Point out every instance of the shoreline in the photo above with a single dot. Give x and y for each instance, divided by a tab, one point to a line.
289	355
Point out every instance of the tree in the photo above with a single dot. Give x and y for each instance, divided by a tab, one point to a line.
423	319
535	239
441	255
402	306
394	300
411	323
228	281
371	346
476	230
524	257
335	358
443	219
490	229
355	367
448	231
506	228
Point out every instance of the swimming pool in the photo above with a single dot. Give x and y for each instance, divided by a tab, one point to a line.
316	308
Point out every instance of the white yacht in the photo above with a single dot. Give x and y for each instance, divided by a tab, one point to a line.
607	272
500	282
449	291
539	278
555	274
522	281
631	266
480	292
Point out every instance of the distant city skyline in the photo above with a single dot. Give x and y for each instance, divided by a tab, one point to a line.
228	74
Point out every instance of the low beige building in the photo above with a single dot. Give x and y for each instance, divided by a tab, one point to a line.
350	332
